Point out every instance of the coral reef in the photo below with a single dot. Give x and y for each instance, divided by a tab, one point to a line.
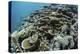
54	27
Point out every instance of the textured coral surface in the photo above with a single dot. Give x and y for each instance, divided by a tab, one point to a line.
54	27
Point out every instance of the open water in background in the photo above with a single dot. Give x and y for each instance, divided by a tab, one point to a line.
21	9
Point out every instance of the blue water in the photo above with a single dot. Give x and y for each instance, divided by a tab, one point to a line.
22	9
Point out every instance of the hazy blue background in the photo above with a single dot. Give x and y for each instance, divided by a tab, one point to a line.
22	9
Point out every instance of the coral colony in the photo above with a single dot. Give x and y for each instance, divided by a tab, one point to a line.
53	27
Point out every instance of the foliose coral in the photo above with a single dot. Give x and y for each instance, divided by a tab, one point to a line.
54	27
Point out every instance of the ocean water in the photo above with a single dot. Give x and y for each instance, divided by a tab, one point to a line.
21	9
